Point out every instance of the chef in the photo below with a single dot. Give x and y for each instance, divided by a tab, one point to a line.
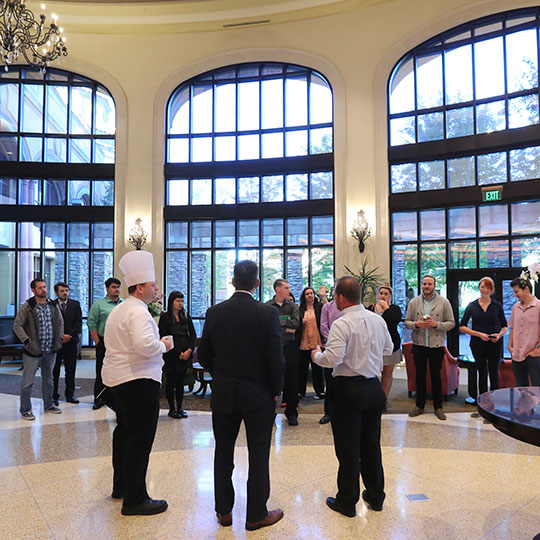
132	373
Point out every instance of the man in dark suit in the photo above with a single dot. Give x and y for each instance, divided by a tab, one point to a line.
71	313
241	347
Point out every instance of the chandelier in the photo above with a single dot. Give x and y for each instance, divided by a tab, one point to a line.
22	35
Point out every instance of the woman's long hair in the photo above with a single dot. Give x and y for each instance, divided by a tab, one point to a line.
170	301
303	297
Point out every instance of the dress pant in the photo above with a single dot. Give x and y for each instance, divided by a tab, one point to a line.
258	419
30	366
487	357
530	367
290	380
174	387
330	383
423	355
317	374
68	353
356	424
100	355
137	413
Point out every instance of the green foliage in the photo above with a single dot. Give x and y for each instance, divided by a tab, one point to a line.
369	281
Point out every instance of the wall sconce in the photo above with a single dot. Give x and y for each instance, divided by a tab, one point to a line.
360	230
137	235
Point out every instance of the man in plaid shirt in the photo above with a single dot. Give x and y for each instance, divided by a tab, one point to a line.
40	327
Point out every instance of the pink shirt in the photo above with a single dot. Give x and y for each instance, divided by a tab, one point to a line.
525	323
329	314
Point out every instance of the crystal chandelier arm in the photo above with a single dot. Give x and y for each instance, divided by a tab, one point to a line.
22	33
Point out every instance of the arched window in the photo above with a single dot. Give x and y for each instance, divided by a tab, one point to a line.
249	174
57	148
464	157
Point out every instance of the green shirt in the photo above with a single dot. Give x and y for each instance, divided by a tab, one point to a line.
100	310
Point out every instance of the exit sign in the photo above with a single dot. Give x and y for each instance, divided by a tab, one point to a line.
492	193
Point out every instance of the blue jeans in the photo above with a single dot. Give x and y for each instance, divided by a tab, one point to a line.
31	363
530	367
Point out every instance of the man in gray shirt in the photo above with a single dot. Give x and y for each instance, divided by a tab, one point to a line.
430	317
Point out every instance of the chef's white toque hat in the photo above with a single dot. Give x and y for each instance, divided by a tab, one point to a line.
137	267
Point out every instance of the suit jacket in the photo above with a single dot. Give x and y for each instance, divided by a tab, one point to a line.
241	347
72	319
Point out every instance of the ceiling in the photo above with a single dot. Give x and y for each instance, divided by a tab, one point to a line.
161	16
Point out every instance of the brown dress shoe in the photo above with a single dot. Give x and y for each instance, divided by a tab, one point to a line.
273	517
225	520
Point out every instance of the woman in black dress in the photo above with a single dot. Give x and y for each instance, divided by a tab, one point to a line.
488	327
391	313
177	323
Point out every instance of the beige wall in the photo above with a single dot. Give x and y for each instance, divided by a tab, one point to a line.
356	50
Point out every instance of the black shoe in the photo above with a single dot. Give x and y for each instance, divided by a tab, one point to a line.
293	421
72	399
182	414
225	520
335	505
172	413
370	505
117	494
325	419
97	405
145	508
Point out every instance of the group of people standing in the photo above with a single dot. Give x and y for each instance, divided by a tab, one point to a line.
254	351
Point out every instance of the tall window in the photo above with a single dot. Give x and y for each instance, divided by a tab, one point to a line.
57	147
464	116
249	174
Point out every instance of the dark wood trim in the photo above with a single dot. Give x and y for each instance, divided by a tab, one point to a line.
512	192
497	141
250	211
252	167
63	214
72	171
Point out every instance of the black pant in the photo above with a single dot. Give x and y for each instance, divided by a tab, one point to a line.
317	374
290	381
259	421
68	353
175	387
487	356
137	413
330	383
423	355
530	367
100	355
356	425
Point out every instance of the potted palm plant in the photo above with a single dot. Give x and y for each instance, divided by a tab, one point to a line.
369	280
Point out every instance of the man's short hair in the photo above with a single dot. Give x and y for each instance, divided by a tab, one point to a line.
279	283
429	276
522	284
348	287
112	280
60	284
34	282
245	275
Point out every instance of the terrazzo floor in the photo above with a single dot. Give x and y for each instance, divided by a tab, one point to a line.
55	480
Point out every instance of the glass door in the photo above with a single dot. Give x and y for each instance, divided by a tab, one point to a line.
463	289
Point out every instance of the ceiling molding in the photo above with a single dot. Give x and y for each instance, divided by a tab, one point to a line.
172	16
